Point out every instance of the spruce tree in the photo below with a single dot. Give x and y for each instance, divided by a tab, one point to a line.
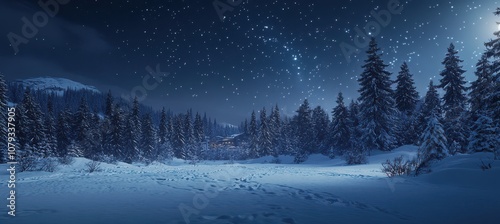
265	144
178	137
341	126
376	102
50	129
431	104
493	53
83	127
406	95
162	127
321	124
199	136
118	133
481	87
434	143
253	137
148	138
276	131
63	129
304	133
133	133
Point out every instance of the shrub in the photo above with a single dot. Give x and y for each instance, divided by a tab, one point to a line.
399	166
66	160
27	163
93	166
48	164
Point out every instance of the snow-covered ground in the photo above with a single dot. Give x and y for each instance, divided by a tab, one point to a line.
319	191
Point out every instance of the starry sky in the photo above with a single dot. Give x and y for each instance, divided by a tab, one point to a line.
253	54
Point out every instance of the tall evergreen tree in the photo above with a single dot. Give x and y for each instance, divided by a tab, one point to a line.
276	132
133	133
83	127
434	143
148	139
189	151
118	133
431	104
162	127
199	135
481	87
493	53
340	127
178	140
377	104
406	95
63	129
265	142
321	123
453	82
253	137
305	134
50	129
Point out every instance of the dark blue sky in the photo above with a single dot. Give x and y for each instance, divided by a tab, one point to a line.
264	52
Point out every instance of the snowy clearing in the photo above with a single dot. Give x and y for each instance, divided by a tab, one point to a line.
319	191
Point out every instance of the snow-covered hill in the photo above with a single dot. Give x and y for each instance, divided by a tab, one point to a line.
53	84
321	191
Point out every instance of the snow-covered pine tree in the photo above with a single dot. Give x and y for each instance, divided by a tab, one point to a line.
305	134
189	151
162	127
33	126
3	118
148	140
63	129
406	95
434	143
118	133
321	132
133	133
265	141
432	104
199	136
288	142
276	135
481	87
493	53
484	133
253	137
340	127
454	98
376	102
108	108
178	137
82	127
50	129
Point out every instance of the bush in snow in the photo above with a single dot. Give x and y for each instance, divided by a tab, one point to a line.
66	160
48	164
485	166
93	166
27	163
399	166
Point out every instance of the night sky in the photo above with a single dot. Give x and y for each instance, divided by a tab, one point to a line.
262	53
